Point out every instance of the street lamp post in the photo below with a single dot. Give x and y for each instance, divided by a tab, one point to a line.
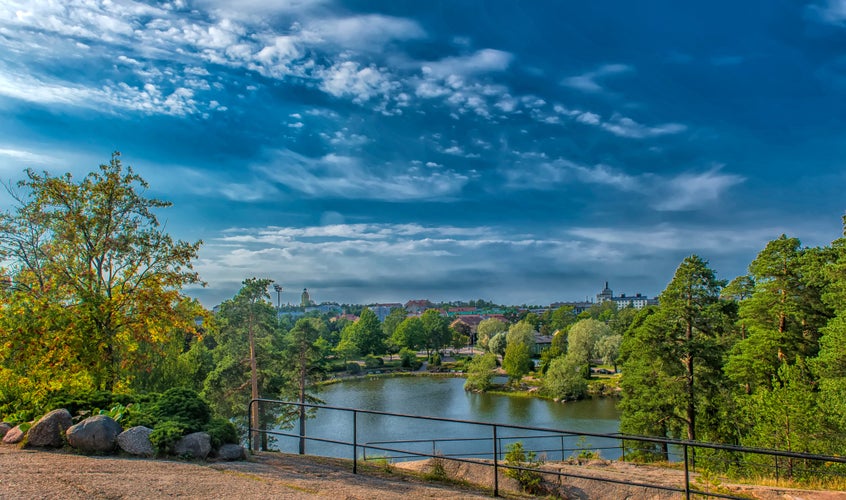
278	289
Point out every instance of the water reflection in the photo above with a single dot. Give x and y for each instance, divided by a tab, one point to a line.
446	397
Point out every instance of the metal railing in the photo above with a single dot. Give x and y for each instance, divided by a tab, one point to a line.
710	455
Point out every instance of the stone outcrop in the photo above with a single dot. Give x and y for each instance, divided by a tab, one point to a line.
230	452
97	433
50	429
14	436
136	441
4	428
194	445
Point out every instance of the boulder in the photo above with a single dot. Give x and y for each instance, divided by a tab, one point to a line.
195	445
97	433
50	429
14	436
136	441
230	452
4	428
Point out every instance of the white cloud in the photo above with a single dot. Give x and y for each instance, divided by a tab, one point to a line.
692	191
588	82
369	32
340	176
550	175
626	127
362	83
829	11
482	61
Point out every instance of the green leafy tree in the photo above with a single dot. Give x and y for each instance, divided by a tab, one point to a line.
366	334
783	316
389	326
582	339
91	259
409	334
487	329
436	330
681	347
480	372
562	318
517	361
497	344
608	348
564	379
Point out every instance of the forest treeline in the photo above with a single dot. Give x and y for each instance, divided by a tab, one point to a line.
93	301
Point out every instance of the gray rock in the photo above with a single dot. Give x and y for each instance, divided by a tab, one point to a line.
14	436
136	441
4	428
230	452
50	429
97	433
195	445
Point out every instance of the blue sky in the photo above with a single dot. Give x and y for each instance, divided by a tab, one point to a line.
372	151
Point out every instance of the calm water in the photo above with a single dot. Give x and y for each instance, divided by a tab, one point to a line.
446	397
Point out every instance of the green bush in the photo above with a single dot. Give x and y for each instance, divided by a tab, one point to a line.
371	361
222	431
353	368
166	434
139	414
408	358
529	480
184	406
435	359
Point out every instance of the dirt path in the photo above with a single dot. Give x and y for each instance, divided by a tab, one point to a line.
43	474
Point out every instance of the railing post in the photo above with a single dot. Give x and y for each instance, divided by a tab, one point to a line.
496	463
355	442
776	468
623	450
562	447
686	474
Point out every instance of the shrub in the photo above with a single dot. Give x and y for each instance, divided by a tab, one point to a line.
529	480
353	368
371	361
184	406
435	359
166	434
222	431
139	414
408	358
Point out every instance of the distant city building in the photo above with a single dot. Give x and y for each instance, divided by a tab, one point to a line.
417	307
383	310
622	301
305	299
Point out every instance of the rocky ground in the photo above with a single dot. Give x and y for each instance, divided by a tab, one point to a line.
56	474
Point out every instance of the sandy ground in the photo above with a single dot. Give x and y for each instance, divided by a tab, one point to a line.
46	474
55	474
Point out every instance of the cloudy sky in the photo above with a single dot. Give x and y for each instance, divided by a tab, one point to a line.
516	151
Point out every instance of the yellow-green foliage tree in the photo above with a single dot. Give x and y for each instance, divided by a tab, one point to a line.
92	287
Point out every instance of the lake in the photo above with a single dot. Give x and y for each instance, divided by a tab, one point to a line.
446	398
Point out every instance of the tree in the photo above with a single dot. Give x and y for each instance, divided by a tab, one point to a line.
389	326
436	331
487	329
497	344
93	260
608	348
564	380
517	361
480	372
366	334
522	332
680	348
783	315
562	318
409	334
581	342
304	358
246	341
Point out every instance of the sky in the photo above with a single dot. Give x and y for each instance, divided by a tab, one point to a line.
523	152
